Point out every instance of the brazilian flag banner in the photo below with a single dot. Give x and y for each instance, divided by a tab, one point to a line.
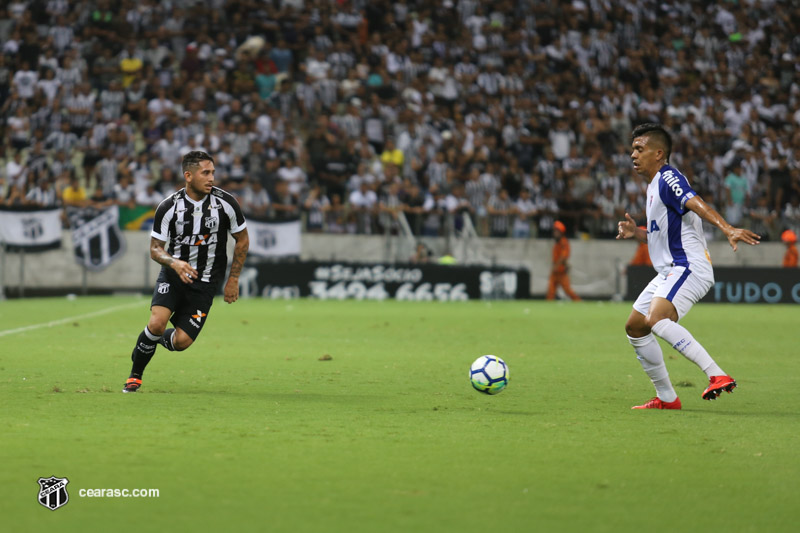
136	218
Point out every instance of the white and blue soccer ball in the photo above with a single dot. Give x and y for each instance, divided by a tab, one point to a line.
489	374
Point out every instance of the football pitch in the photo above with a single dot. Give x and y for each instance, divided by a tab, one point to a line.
358	416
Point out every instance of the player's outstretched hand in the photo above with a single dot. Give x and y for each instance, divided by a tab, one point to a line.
743	235
231	290
627	228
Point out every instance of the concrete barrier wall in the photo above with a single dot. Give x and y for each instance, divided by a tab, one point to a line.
595	264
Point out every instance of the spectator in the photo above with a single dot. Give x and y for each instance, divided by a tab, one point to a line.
282	56
149	197
168	150
255	199
763	218
525	210
791	214
363	203
63	141
561	140
389	206
293	175
168	182
316	206
100	200
392	155
43	195
24	81
432	210
74	195
14	196
131	63
500	209
737	194
124	193
16	171
285	205
335	215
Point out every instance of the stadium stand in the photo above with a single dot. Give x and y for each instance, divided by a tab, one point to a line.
511	113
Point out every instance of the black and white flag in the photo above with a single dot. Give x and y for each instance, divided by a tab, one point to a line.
96	237
275	238
30	228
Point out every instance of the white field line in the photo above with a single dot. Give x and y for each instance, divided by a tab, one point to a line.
52	323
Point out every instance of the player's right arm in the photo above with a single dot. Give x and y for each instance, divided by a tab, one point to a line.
158	237
629	230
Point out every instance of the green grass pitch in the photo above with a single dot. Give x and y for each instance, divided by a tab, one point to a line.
249	430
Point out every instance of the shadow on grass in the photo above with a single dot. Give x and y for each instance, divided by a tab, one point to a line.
267	395
759	414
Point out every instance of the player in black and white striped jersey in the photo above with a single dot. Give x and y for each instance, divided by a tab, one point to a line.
194	224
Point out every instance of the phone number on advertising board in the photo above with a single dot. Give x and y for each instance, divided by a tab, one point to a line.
356	290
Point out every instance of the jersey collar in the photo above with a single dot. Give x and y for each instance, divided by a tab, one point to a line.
195	202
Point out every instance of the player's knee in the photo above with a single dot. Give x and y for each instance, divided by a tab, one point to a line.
181	341
636	329
653	319
181	344
158	323
156	327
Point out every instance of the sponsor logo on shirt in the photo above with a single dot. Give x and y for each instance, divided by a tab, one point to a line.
197	240
673	182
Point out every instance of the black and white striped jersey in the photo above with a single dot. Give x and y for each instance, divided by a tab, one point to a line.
197	232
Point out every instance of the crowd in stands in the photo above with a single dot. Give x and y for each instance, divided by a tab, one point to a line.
346	112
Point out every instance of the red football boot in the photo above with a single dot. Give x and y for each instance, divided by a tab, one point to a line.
716	385
132	385
656	403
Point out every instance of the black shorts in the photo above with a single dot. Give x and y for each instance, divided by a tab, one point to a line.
190	303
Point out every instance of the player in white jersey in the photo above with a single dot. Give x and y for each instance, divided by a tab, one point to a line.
678	250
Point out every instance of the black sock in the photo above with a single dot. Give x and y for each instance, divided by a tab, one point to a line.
143	352
167	338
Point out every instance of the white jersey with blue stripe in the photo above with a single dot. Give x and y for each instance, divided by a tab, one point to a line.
674	234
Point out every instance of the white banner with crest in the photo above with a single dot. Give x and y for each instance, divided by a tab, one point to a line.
30	228
274	239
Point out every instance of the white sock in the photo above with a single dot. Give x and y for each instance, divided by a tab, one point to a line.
680	339
648	352
152	336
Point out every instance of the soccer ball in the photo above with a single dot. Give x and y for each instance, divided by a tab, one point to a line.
489	374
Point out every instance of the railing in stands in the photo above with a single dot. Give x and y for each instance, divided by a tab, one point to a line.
469	243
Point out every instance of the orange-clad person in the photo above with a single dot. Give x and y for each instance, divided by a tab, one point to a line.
790	258
642	255
559	273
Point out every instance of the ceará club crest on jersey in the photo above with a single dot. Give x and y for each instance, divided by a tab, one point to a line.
211	223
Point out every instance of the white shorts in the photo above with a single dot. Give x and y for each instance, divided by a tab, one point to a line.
682	286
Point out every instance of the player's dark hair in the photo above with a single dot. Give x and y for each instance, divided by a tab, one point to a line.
191	161
658	132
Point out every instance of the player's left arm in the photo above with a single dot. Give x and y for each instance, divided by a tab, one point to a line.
231	292
709	214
